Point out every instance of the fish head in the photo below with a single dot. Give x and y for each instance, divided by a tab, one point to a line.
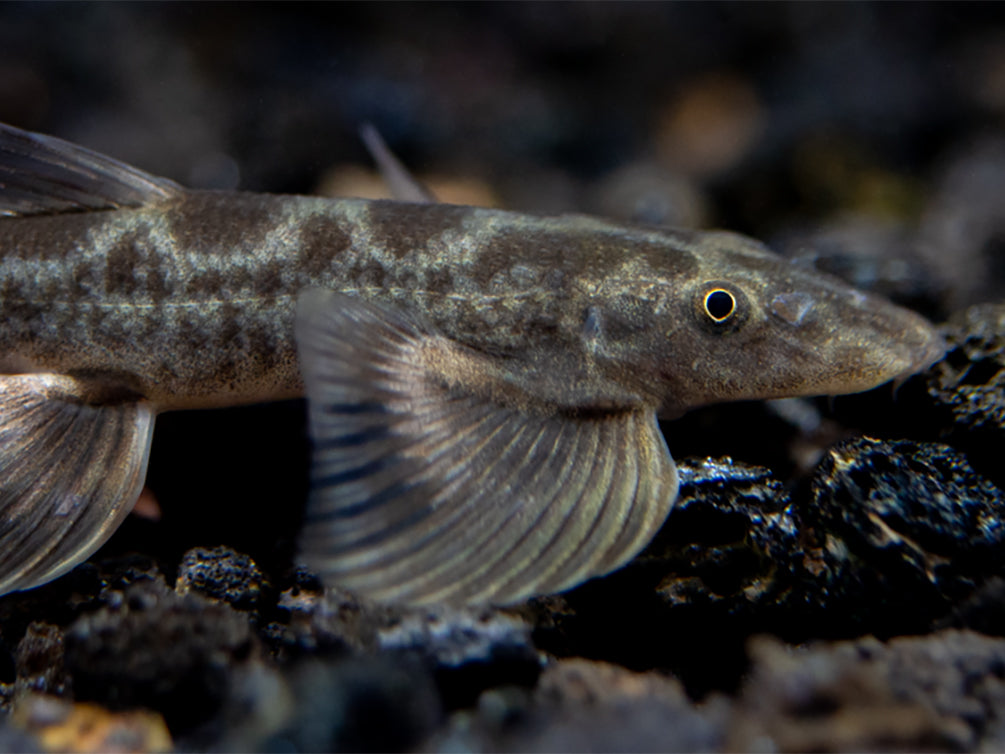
746	323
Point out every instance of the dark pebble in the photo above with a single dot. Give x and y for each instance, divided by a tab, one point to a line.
942	692
581	705
966	390
714	574
731	531
360	704
173	654
221	574
39	661
895	533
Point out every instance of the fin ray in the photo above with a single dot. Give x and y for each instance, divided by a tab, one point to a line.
69	473
43	175
473	501
403	185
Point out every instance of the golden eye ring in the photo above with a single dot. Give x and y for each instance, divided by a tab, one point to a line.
719	305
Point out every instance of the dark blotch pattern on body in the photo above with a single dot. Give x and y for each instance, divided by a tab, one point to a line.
321	244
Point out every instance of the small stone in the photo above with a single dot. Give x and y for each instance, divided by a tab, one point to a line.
174	654
39	661
896	531
970	380
582	705
359	704
62	726
730	533
931	693
469	649
221	574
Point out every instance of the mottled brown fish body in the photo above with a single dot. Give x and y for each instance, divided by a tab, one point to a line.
191	303
482	385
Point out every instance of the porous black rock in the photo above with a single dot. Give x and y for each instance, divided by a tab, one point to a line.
713	575
732	531
221	574
895	533
942	692
39	661
583	705
468	649
369	703
170	653
967	387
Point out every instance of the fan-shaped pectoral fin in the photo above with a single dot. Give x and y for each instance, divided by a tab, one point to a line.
425	491
70	471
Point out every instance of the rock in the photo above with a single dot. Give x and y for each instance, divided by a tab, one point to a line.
896	531
61	726
358	704
731	532
603	707
315	621
970	380
173	654
39	661
221	574
469	649
713	575
935	693
587	706
966	390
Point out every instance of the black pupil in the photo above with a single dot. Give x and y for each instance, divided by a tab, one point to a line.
719	305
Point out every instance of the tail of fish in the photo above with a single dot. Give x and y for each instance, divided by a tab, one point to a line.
426	490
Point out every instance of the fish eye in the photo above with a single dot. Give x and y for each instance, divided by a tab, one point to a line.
719	304
720	307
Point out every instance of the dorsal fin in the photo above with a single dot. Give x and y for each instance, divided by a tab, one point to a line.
43	175
404	186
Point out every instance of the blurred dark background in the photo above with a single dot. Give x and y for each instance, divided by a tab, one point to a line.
751	116
865	138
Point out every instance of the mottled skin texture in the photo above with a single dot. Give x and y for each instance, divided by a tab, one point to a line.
190	302
482	385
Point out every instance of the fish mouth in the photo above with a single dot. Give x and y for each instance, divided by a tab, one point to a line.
910	350
923	356
888	345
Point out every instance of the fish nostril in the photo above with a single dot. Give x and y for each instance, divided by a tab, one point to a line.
791	307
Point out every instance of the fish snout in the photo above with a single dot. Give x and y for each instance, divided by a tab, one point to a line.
853	341
922	346
893	343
